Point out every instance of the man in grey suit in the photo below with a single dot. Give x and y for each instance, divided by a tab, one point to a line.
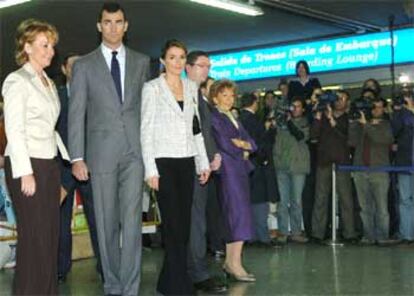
104	142
197	69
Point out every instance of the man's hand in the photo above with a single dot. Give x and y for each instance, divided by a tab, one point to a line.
216	163
154	183
268	124
80	170
375	121
362	120
318	115
329	112
203	178
28	185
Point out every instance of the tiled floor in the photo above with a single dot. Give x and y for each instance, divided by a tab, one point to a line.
292	270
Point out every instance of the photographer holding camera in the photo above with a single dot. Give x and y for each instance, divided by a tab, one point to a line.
372	139
330	131
403	129
292	163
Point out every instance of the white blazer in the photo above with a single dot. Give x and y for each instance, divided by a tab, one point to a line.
166	130
30	113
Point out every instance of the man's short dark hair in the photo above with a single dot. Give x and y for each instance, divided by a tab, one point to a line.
369	90
346	93
111	7
380	99
282	81
194	55
247	100
300	100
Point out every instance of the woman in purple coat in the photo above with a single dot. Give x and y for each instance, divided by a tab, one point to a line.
234	145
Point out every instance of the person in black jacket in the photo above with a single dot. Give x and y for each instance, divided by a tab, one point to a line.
263	179
403	129
302	87
204	196
330	131
71	185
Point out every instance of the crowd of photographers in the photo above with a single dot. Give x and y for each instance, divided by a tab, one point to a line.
304	132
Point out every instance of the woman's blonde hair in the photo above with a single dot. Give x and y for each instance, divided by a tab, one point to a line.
27	32
218	86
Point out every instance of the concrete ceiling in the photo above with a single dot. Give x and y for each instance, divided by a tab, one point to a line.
200	27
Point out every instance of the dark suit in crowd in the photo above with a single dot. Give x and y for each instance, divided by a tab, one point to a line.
205	211
71	185
263	185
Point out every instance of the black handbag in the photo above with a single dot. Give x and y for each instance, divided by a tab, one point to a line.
196	125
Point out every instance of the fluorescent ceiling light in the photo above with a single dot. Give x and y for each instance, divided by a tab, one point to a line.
6	3
404	78
232	5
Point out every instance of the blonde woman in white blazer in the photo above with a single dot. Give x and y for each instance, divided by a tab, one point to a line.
173	151
31	109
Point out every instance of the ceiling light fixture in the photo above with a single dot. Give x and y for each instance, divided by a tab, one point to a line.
7	3
235	6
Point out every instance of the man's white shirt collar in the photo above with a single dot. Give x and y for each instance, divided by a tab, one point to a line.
107	52
121	57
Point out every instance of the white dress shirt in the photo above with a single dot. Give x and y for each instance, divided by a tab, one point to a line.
107	53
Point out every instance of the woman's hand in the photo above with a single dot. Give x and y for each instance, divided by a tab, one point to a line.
153	182
216	163
28	185
203	178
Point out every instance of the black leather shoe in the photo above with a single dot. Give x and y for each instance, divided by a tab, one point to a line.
387	242
210	286
61	278
318	241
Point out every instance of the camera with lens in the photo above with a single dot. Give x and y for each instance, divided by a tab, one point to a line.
361	105
400	99
281	115
328	98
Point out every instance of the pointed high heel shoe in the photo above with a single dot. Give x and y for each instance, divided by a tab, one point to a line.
248	278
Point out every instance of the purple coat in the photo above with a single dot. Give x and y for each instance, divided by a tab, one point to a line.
234	191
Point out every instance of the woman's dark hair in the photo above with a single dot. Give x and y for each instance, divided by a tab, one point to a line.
111	7
172	43
247	99
376	88
305	65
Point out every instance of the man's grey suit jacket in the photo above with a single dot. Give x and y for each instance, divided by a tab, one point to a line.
98	122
